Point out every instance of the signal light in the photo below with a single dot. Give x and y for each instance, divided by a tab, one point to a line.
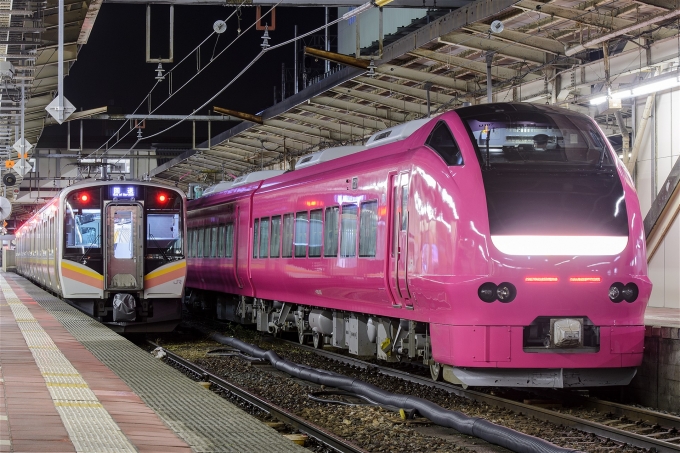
619	291
506	292
487	292
162	198
84	198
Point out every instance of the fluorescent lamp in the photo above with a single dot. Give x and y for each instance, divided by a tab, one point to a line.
656	86
622	94
598	100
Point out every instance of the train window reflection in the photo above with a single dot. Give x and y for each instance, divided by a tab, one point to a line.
201	235
206	243
164	232
330	238
82	228
348	230
229	236
301	234
264	237
256	231
220	241
287	236
315	233
123	237
213	243
276	237
368	229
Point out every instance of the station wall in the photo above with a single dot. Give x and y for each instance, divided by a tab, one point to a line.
659	151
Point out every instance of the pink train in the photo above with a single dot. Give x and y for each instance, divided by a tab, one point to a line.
500	244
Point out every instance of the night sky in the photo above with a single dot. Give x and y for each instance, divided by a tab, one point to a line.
111	69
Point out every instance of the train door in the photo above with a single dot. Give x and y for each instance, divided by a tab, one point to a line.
398	256
124	246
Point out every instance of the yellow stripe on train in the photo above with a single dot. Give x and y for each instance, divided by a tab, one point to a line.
80	270
165	270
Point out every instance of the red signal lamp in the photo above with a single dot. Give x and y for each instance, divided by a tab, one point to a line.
162	198
84	198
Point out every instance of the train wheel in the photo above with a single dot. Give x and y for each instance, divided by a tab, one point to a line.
317	340
436	371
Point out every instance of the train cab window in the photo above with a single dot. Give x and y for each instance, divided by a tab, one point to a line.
164	232
315	233
220	241
301	234
229	238
82	229
264	237
256	232
368	228
199	249
348	230
330	237
213	243
287	237
275	248
441	140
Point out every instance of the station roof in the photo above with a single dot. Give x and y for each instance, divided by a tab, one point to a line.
549	52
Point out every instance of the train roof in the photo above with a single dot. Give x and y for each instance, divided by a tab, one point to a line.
326	155
219	187
256	176
499	107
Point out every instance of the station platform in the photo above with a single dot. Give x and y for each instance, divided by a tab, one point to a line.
70	384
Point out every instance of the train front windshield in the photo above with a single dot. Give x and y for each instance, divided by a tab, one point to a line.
546	172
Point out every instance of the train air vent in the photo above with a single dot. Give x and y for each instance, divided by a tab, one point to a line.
326	155
256	176
219	187
396	133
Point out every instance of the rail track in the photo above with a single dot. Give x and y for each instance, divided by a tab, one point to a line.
330	440
635	426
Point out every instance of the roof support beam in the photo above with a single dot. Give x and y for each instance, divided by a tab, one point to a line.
493	45
420	76
369	110
268	138
303	137
407	106
313	131
418	93
347	129
523	39
474	66
351	118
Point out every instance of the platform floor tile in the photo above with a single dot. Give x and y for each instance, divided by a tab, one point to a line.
207	422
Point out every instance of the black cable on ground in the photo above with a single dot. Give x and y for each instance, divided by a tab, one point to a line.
472	426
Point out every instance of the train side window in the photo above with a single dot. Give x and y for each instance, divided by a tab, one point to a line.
348	230
404	208
213	243
220	241
287	236
441	140
275	248
264	237
256	231
190	240
199	249
206	243
315	233
229	236
330	237
368	228
301	234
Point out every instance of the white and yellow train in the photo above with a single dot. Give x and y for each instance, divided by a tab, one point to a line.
113	249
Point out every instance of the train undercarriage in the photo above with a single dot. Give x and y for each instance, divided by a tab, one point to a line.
389	339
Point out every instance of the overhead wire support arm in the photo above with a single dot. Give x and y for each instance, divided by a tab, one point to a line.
148	36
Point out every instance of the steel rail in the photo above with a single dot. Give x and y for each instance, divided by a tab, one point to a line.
312	430
557	418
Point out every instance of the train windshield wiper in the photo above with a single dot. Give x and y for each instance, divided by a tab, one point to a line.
158	246
98	238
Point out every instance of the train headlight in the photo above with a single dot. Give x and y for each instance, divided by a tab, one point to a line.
616	292
630	292
506	292
487	292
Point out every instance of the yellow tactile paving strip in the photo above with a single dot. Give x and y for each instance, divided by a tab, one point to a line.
89	425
